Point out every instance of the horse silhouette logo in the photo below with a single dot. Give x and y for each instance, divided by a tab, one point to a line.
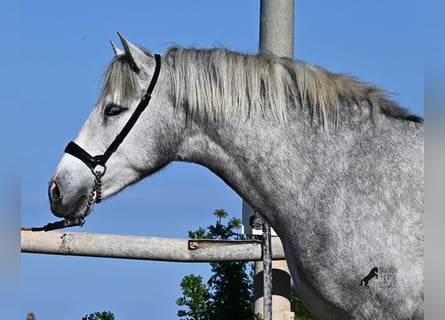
374	273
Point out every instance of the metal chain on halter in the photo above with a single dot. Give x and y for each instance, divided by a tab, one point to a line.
95	195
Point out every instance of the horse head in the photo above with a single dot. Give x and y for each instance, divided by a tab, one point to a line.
119	144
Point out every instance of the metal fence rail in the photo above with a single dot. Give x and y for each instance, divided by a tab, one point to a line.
144	248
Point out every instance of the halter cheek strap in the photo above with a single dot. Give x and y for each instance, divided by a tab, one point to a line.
100	160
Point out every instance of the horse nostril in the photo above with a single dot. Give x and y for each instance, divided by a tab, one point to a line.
55	191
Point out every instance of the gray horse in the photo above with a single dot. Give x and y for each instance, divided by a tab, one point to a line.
332	163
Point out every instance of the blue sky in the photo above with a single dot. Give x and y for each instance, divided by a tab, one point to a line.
53	55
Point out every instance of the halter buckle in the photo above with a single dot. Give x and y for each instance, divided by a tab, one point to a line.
99	170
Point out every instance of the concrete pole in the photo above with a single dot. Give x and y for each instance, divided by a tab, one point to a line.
277	37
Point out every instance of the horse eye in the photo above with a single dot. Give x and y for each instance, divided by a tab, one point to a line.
113	110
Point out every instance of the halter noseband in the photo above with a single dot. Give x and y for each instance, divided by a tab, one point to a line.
93	162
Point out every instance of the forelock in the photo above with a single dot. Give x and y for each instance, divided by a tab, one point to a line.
120	80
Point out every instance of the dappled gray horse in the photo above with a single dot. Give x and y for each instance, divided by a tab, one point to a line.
332	163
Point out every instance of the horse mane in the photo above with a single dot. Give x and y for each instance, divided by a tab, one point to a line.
216	81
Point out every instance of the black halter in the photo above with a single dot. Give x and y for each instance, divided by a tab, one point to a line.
100	160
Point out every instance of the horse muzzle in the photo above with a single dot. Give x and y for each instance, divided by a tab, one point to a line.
65	204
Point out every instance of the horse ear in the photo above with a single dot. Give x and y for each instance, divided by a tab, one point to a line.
136	56
117	51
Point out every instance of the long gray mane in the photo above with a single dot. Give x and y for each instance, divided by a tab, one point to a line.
217	81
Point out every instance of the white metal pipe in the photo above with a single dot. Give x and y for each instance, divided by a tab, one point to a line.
143	248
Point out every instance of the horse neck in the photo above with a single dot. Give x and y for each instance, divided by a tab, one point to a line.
257	157
270	164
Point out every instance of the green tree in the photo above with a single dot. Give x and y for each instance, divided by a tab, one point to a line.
104	315
231	284
195	298
220	214
231	291
228	293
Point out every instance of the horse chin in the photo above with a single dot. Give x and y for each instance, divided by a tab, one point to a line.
78	210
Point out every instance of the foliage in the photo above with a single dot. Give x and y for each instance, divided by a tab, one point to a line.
231	291
195	297
220	214
228	293
230	284
104	315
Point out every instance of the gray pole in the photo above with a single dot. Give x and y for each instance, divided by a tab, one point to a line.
143	248
276	37
267	272
277	27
